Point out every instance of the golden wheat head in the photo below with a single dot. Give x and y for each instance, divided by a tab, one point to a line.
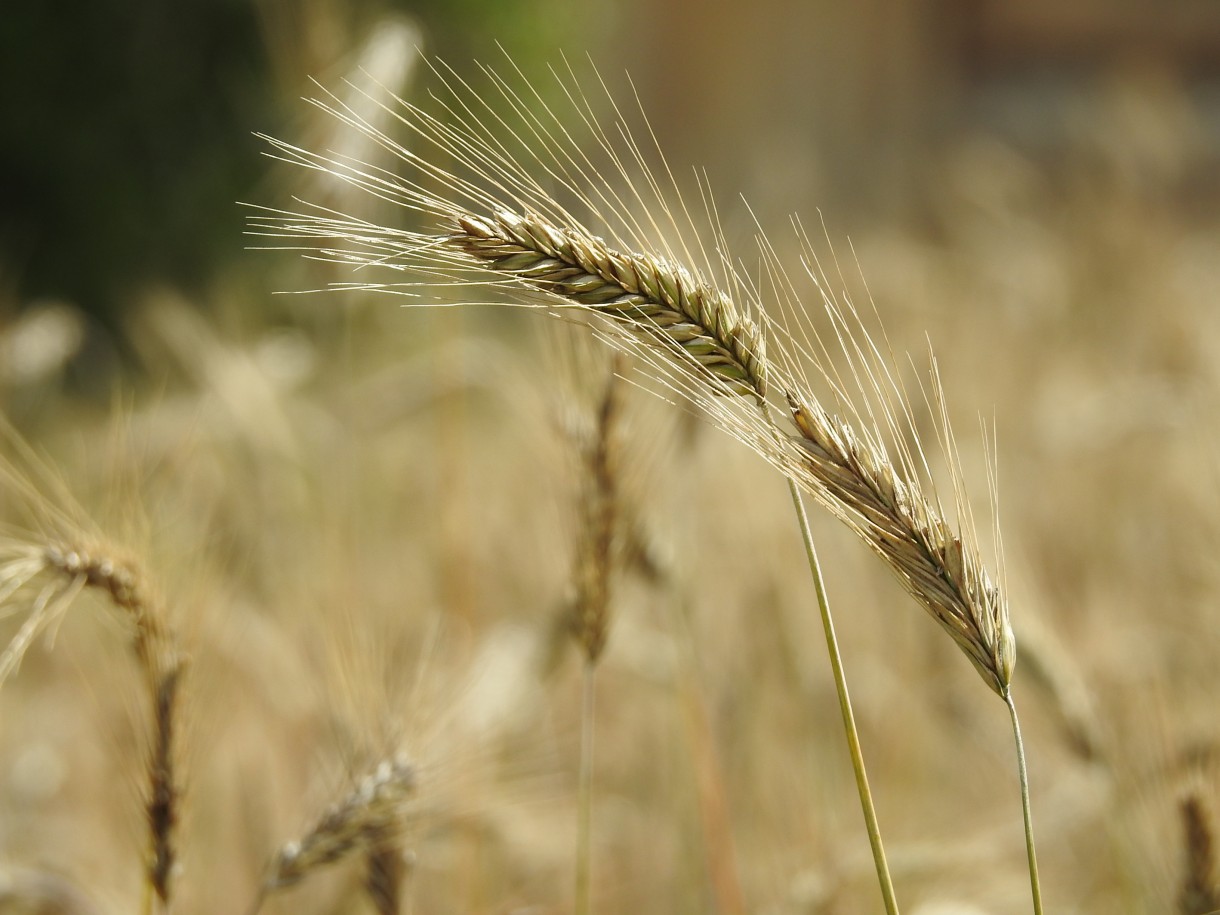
688	310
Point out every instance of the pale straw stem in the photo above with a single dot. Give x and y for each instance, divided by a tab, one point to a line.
1035	885
584	822
849	718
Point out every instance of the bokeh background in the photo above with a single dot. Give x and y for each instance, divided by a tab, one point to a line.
362	515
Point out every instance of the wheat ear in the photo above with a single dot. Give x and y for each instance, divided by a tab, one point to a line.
700	327
652	296
599	509
361	820
71	567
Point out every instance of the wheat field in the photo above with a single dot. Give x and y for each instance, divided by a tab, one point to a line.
306	618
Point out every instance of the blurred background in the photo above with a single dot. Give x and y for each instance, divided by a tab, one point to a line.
323	483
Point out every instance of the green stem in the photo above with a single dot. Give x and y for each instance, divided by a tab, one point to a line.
849	718
584	851
1035	885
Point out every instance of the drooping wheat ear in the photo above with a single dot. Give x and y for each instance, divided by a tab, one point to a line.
653	297
691	312
941	571
1200	894
362	820
71	568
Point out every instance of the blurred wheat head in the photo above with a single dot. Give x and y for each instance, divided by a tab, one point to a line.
569	207
44	566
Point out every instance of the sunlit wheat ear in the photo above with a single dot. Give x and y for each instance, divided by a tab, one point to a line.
655	298
491	194
361	821
940	569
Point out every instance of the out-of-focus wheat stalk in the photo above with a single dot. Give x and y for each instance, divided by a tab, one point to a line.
1199	894
599	512
56	566
595	562
492	194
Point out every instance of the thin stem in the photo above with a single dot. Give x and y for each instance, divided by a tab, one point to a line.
849	718
1035	885
584	852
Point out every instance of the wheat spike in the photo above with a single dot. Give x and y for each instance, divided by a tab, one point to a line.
361	820
941	571
699	330
656	298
